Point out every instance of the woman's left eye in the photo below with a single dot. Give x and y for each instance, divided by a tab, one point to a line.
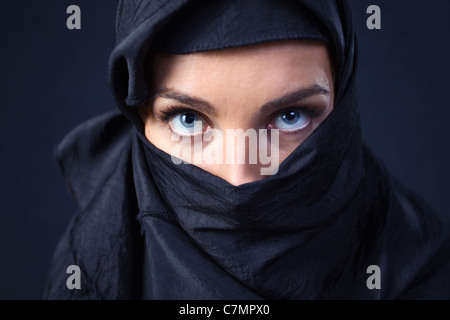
291	119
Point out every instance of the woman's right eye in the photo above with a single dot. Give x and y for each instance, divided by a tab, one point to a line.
187	124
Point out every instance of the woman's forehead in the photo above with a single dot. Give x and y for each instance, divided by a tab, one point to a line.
274	61
245	76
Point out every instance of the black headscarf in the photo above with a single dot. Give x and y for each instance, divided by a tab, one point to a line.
153	25
203	25
308	232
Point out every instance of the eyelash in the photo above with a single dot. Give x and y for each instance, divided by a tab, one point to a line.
172	111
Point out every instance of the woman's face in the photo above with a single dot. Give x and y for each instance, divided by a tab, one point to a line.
283	87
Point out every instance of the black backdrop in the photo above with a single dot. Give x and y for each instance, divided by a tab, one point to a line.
53	78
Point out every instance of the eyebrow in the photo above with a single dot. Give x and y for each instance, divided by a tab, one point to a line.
294	97
195	103
271	106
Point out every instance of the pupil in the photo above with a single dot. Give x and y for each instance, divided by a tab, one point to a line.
290	115
189	118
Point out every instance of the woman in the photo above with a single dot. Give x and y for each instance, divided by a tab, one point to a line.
152	226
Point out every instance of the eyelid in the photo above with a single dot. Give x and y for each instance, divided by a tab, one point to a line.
172	111
310	112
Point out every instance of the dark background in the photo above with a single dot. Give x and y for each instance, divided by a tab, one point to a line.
53	78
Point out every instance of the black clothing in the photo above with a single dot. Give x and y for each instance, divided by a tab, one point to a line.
147	228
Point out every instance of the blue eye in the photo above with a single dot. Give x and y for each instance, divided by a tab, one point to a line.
291	120
187	124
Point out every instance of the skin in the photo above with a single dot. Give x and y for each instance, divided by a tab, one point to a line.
237	84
